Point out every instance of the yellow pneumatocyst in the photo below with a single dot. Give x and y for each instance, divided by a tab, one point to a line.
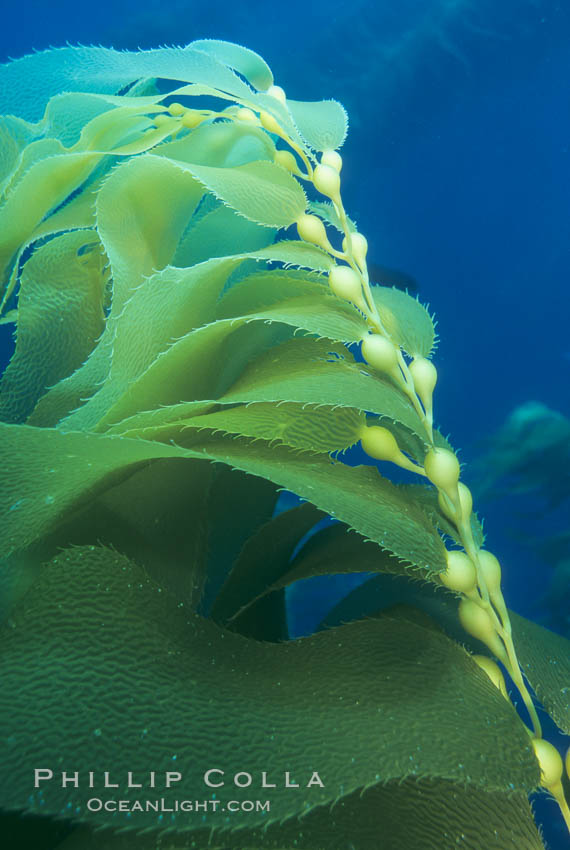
380	353
311	229
475	620
277	92
359	247
424	375
550	762
192	118
327	181
345	283
332	158
442	468
245	114
491	570
269	123
379	443
460	575
287	160
176	109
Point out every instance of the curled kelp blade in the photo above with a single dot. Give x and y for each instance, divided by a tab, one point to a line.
66	174
106	71
303	373
264	558
48	473
174	376
148	318
163	675
319	126
318	371
332	550
98	130
43	188
63	287
185	530
246	62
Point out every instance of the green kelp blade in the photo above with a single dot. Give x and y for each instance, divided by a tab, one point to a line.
426	814
333	550
41	189
204	363
222	145
270	286
237	506
105	71
263	559
305	371
392	587
357	496
122	130
423	814
322	125
261	191
156	514
219	233
17	574
243	60
545	659
150	424
147	327
11	316
321	372
300	426
183	522
78	213
32	153
318	428
68	113
28	83
47	473
406	320
340	323
296	253
163	309
108	129
62	287
142	211
158	671
15	136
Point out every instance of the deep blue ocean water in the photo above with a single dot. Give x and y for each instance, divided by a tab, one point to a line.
457	168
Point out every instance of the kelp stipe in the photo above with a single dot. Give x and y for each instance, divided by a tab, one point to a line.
176	364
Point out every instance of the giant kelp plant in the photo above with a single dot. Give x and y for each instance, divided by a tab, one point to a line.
180	357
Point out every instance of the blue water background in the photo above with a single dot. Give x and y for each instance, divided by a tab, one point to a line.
456	169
